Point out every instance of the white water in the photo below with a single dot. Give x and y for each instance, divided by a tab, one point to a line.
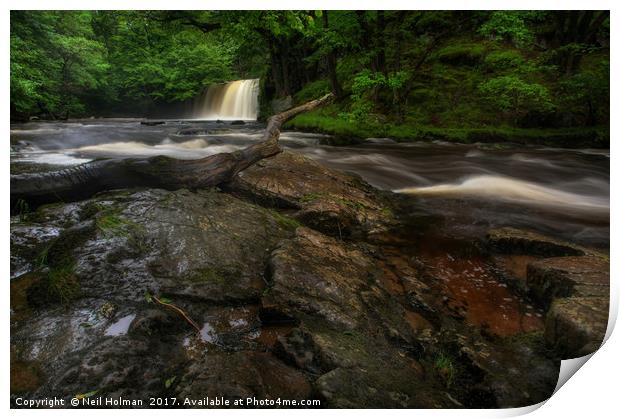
513	190
559	192
229	101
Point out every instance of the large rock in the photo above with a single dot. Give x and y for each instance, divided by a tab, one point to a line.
313	275
513	375
354	324
242	375
523	242
326	200
83	317
359	369
580	276
576	290
576	326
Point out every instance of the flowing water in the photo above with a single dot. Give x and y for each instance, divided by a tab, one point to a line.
237	100
561	192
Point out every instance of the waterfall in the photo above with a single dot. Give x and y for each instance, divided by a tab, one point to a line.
228	101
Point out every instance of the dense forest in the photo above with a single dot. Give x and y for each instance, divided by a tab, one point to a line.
404	74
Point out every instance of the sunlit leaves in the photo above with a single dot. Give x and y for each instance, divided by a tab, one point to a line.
511	94
508	25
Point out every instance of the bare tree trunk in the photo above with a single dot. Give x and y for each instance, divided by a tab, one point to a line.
82	181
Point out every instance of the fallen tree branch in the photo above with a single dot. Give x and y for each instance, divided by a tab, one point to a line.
85	180
178	310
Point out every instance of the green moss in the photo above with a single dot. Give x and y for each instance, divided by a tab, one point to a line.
59	284
562	137
62	283
358	206
283	221
466	53
312	91
310	197
445	367
208	275
112	224
503	60
90	210
387	212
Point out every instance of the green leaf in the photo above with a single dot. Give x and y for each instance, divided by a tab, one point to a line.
169	381
86	395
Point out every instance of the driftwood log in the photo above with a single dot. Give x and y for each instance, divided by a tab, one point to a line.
85	180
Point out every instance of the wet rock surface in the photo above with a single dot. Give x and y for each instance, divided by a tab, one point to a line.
552	278
572	288
576	326
332	202
272	289
517	241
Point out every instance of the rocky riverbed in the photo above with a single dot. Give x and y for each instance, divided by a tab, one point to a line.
298	282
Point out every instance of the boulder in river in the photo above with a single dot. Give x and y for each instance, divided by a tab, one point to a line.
578	276
333	202
576	326
524	242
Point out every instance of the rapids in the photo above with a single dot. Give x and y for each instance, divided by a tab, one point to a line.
560	192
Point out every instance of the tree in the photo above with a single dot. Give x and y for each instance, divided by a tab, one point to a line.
515	97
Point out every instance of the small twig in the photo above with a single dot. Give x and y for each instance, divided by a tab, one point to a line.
178	310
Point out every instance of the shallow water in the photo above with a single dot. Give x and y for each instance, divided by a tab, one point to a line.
561	192
121	326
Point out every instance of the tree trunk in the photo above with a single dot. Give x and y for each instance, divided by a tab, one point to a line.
83	181
331	62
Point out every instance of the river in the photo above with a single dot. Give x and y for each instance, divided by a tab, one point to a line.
560	192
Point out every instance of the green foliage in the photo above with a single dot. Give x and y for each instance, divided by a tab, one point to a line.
86	395
62	283
169	381
445	367
503	60
55	62
407	74
75	63
468	54
312	91
326	121
283	221
587	93
509	26
365	84
515	97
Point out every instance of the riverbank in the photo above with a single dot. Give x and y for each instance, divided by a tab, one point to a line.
320	287
327	121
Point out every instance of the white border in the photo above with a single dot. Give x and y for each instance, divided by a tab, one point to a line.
593	393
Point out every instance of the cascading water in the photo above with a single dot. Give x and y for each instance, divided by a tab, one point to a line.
228	101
